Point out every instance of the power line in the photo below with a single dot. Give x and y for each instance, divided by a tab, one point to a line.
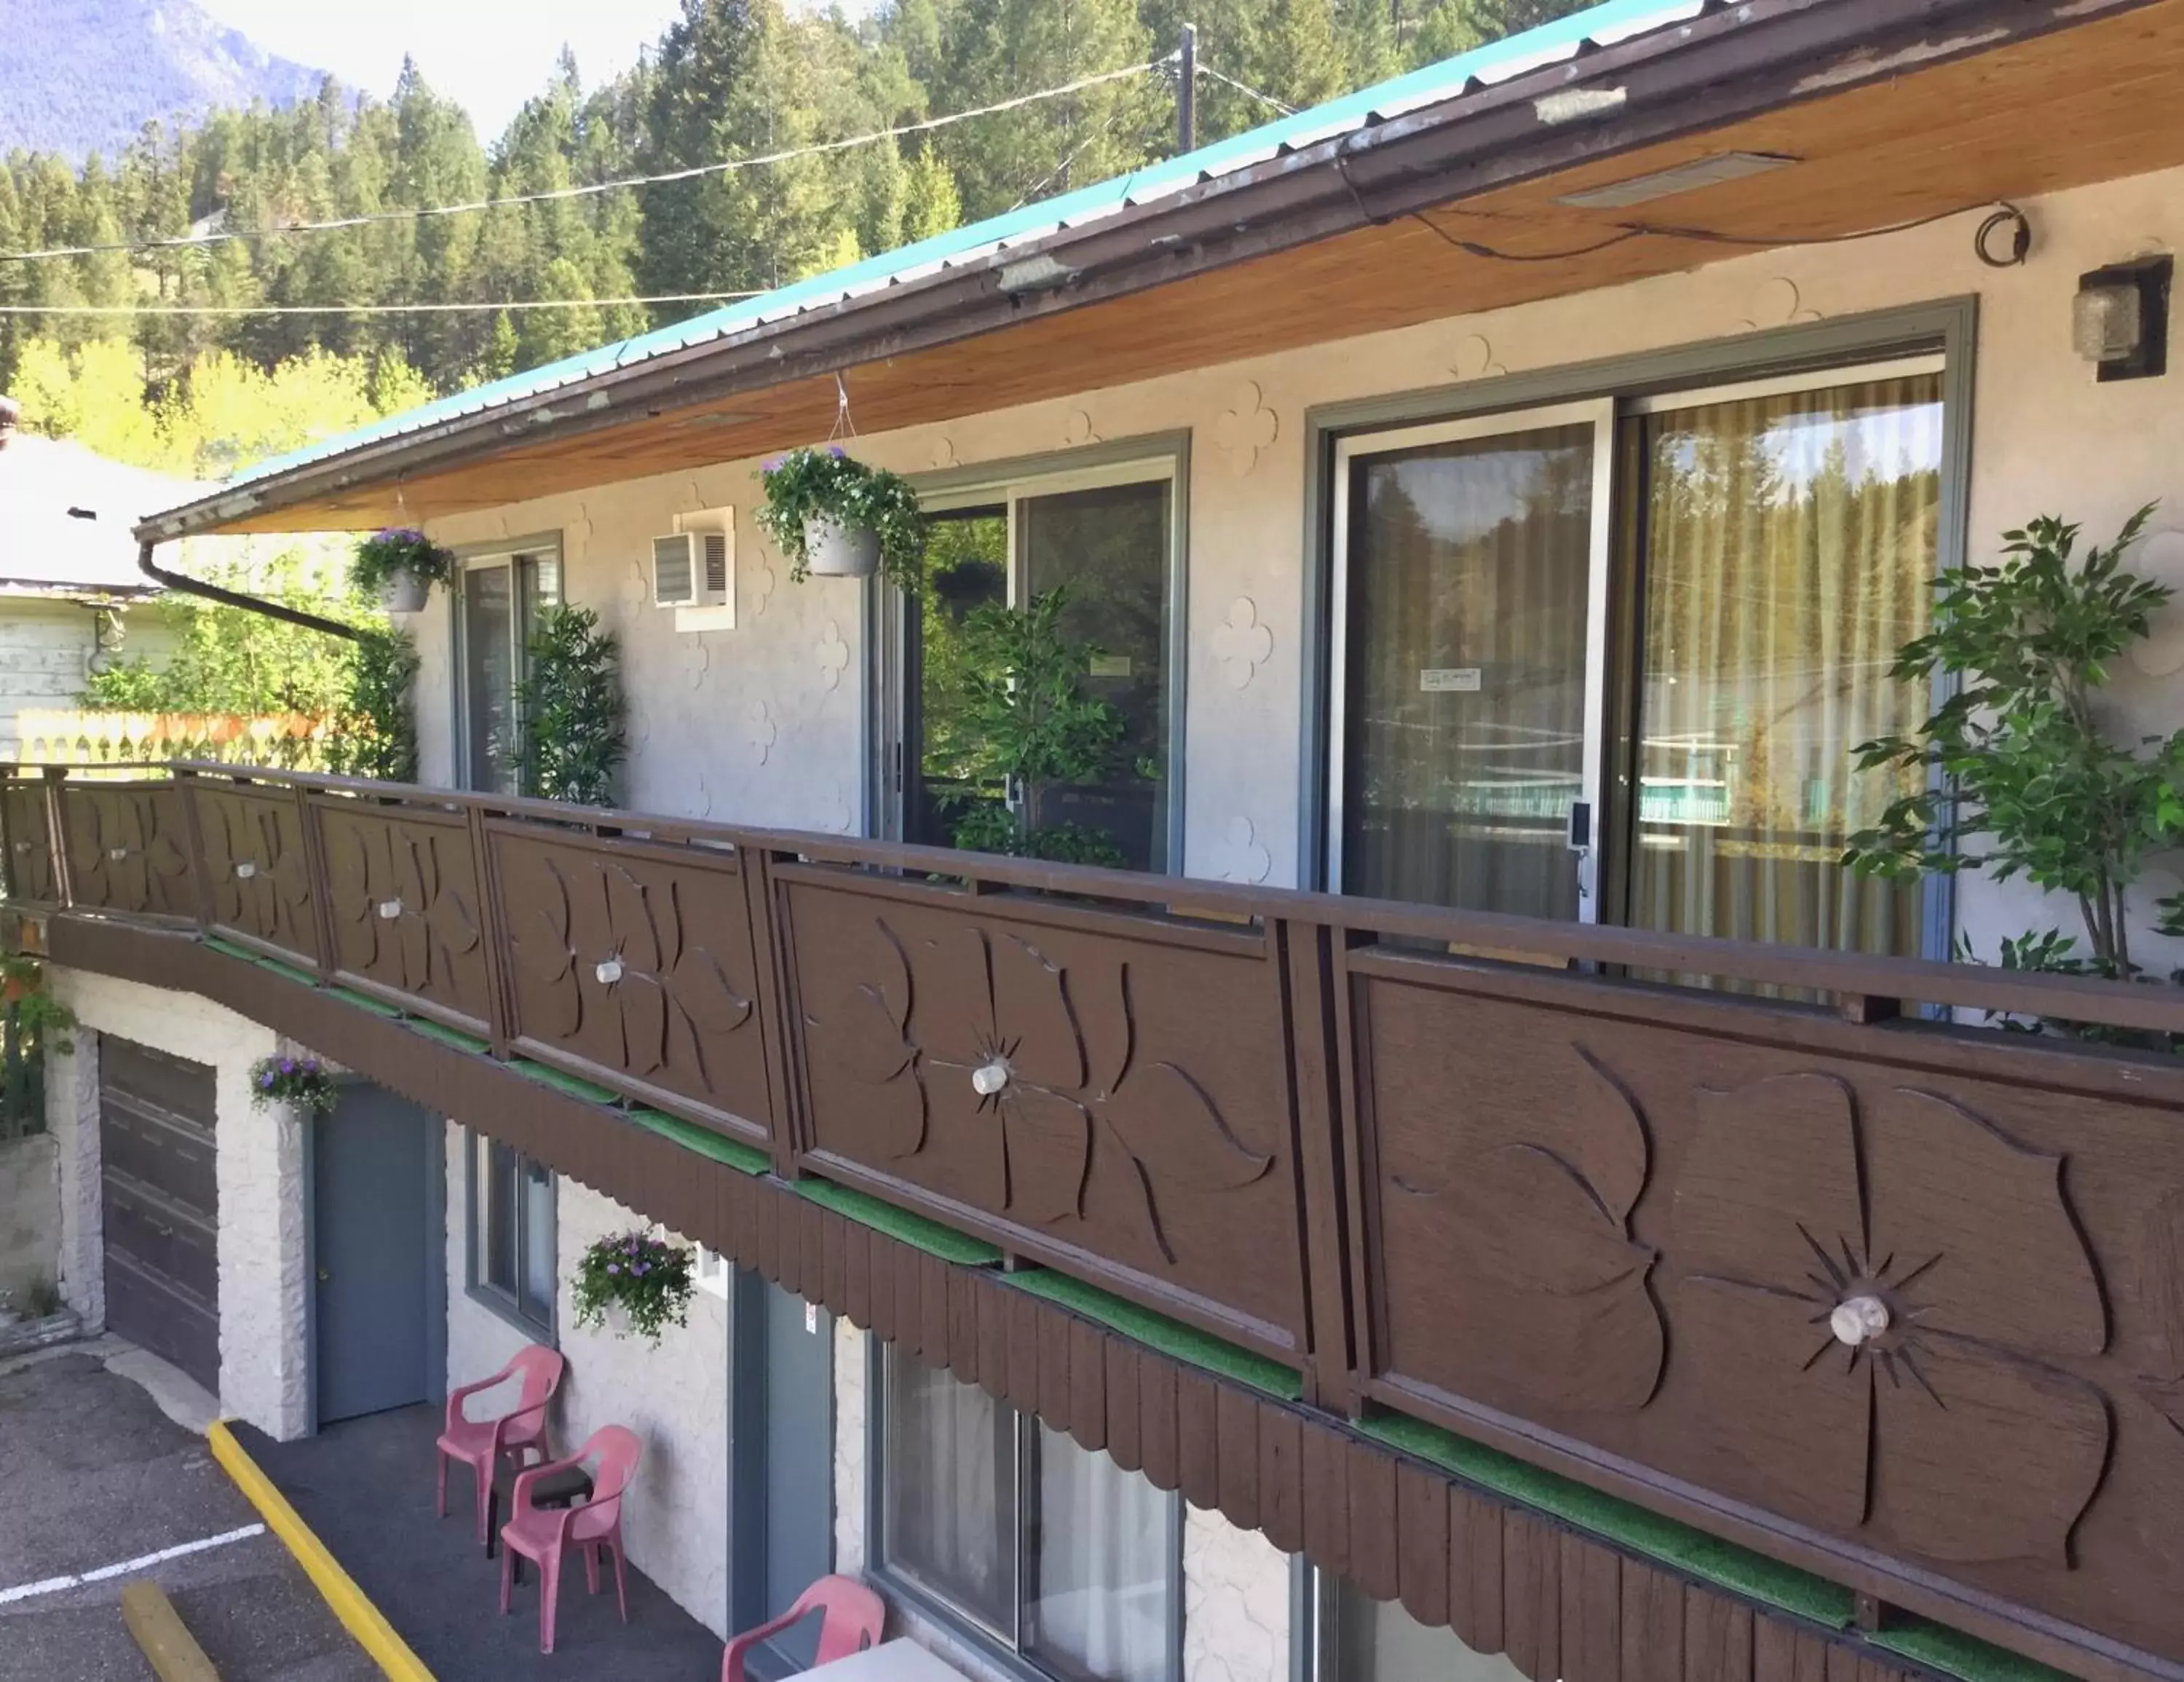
361	308
1266	99
730	166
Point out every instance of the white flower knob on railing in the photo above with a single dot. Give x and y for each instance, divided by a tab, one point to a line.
1858	1319
389	909
988	1078
245	870
117	854
608	970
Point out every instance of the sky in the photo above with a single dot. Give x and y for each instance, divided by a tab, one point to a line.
491	55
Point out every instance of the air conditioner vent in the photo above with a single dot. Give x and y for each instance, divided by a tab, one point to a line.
675	571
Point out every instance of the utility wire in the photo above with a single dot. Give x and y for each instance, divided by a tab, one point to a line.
1266	99
361	308
729	166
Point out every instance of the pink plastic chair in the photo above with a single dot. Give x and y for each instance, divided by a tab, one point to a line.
855	1618
479	1444
542	1536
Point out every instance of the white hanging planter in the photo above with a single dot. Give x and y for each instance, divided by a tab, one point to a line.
402	591
833	550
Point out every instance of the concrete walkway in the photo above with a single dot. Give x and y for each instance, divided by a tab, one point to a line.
100	1469
365	1487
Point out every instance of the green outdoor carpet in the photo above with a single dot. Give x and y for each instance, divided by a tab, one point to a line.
590	1092
1171	1338
286	971
914	1230
1951	1651
747	1159
446	1035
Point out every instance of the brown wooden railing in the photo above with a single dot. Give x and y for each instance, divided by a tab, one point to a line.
1894	1299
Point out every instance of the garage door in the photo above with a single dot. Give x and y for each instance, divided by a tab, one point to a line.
162	1204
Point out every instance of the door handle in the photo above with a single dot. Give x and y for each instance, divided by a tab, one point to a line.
324	1276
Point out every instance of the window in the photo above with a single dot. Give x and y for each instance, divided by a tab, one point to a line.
498	598
1045	1549
1612	660
1108	535
1362	1640
511	1234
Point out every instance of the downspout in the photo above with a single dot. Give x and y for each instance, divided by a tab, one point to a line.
197	586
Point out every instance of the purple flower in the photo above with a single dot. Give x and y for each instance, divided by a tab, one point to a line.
641	1267
265	1080
287	1066
776	465
613	1266
836	451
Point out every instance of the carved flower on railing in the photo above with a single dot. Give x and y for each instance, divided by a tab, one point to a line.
1877	1296
257	883
985	1032
607	942
398	908
1534	1202
120	850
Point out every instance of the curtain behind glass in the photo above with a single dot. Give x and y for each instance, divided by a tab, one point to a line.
539	1262
949	1505
1463	729
1098	1608
1789	550
497	1216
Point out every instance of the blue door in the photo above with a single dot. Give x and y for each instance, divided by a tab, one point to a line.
782	1463
379	1253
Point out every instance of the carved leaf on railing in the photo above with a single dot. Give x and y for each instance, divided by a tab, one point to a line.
1876	1295
983	1032
119	847
396	900
29	864
260	881
608	935
1539	1205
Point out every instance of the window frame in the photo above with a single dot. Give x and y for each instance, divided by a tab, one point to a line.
506	1304
1150	459
540	548
1800	357
1001	1650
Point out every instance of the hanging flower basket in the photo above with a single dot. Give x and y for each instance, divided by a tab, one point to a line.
632	1283
400	565
300	1082
833	517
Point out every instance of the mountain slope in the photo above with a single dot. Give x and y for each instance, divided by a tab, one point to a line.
78	76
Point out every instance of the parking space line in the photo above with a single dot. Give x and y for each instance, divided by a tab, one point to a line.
53	1585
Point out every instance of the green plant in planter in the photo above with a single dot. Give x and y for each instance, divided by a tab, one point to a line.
573	740
830	484
2021	777
375	729
38	1018
1033	730
302	1082
648	1279
381	558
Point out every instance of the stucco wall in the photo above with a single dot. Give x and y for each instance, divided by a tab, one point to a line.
72	1124
763	723
264	1365
674	1396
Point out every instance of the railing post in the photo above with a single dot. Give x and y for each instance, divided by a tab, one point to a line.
775	967
57	832
1313	999
500	1000
314	869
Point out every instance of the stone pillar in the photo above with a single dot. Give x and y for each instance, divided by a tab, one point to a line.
72	1119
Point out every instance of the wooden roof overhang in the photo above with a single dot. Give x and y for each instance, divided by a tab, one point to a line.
1895	110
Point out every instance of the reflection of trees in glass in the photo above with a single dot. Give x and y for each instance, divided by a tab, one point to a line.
965	566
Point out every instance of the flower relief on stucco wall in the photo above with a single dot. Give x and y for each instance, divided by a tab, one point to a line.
694	655
1246	859
756	576
1247	428
1778	302
1078	430
1474	359
576	534
832	654
1241	644
759	732
943	454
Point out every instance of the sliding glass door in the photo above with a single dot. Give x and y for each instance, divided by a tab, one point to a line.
1470	650
1759	552
499	598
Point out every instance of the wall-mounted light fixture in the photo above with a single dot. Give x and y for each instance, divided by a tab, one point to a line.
2120	319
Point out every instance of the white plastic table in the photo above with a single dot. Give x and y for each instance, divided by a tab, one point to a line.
896	1661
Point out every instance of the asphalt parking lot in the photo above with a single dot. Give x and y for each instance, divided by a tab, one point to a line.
94	1476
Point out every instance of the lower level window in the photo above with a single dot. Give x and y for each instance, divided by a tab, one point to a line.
1363	1639
1051	1551
511	1235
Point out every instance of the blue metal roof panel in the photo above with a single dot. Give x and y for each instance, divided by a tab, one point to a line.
1606	25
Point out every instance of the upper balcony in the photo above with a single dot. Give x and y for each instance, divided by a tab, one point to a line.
1765	1240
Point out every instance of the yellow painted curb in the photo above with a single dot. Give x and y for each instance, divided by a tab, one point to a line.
362	1619
173	1651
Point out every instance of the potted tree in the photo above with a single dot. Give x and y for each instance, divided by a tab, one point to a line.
833	517
400	565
